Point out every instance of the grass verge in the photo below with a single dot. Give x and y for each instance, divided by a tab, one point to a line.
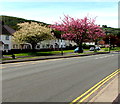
49	53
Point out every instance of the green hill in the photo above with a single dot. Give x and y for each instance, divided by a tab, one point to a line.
13	21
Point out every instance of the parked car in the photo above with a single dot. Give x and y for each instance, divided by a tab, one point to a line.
76	49
97	48
94	48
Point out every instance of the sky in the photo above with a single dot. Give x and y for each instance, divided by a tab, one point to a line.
50	11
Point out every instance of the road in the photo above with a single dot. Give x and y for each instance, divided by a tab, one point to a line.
57	80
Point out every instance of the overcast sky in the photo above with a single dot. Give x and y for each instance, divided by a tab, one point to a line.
50	11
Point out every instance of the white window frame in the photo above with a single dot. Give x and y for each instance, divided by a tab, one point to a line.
6	46
7	37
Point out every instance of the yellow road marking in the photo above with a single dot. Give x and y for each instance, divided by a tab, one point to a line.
78	98
103	89
95	89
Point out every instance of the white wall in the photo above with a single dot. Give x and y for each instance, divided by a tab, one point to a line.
64	43
3	39
47	44
89	43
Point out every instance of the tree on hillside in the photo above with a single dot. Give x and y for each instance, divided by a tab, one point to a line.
79	30
32	33
13	21
112	36
118	39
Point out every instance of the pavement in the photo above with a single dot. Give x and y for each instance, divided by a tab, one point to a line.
110	93
49	57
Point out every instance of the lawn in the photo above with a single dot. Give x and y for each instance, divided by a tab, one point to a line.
112	49
42	54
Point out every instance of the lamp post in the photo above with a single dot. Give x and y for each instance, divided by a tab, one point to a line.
108	40
109	44
61	47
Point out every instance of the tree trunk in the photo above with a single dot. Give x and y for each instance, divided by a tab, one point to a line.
33	46
22	45
96	42
80	47
79	43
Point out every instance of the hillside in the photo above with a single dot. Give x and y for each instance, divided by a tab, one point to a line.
13	21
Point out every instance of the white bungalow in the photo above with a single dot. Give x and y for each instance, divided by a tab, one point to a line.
5	37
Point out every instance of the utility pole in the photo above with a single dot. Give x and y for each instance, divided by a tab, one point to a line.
107	33
109	44
61	47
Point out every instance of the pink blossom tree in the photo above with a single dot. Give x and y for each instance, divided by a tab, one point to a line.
78	30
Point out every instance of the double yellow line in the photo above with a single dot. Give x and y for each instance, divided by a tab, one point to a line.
89	92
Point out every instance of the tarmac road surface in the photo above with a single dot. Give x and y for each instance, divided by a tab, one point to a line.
56	80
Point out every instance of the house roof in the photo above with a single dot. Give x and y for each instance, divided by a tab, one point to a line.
4	29
1	42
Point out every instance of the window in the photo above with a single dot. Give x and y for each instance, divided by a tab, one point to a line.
15	46
6	46
7	37
38	46
47	45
